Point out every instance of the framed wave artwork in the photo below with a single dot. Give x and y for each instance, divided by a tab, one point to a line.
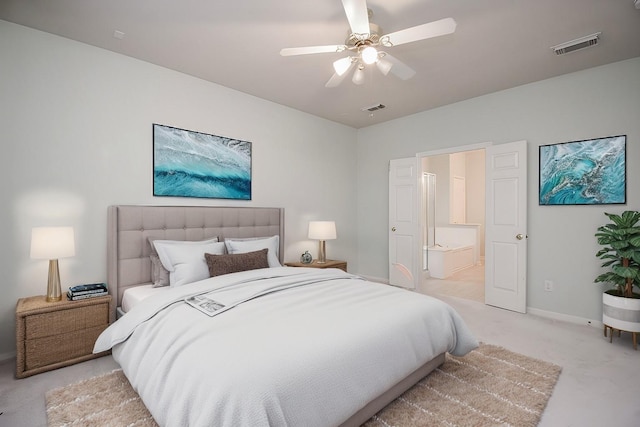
195	164
590	172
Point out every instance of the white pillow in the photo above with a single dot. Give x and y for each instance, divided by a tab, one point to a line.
185	260
159	274
241	246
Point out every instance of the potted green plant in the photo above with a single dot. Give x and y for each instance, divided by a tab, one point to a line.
620	252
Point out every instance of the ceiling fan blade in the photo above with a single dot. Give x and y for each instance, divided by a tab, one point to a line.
357	15
399	68
336	79
384	66
291	51
421	32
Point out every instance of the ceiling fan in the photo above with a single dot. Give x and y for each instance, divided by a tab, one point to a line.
364	44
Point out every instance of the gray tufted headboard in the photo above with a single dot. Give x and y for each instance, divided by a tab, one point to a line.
129	228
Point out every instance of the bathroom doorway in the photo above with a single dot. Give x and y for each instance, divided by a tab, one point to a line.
453	223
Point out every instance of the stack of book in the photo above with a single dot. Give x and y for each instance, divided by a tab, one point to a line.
87	291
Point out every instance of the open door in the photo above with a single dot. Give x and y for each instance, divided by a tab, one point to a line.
403	222
506	226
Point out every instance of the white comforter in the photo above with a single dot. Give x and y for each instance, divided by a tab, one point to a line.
311	351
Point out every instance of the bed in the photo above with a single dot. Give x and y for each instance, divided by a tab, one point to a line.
292	346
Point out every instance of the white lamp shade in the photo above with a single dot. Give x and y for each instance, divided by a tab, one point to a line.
369	55
341	66
52	242
358	76
322	230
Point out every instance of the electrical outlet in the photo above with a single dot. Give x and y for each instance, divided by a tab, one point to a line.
548	285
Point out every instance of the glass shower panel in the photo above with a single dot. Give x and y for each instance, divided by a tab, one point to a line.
429	215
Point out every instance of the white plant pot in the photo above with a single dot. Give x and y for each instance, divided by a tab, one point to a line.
621	313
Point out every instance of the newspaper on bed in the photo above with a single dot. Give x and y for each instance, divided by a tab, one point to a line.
204	304
211	307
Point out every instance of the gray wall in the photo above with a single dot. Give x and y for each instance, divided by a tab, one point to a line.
598	102
76	133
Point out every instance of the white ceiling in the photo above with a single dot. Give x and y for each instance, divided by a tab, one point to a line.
498	44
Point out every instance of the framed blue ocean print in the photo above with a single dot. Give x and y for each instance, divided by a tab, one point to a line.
590	172
195	164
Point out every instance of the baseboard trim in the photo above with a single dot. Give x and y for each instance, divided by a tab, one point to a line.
7	356
564	317
530	310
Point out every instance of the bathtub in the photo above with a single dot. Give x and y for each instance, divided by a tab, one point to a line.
443	261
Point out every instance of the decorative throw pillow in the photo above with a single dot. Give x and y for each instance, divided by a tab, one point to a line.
185	260
159	274
239	246
233	263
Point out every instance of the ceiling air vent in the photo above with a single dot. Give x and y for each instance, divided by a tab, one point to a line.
577	44
373	108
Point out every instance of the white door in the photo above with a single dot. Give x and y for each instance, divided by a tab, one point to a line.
403	222
506	226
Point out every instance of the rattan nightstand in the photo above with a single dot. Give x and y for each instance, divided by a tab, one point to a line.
50	335
342	265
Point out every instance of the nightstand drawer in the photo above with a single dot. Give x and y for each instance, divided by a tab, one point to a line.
60	322
59	348
50	335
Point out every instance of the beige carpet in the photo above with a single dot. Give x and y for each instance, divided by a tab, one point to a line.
490	386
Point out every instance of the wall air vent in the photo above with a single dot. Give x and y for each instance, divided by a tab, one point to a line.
577	44
373	108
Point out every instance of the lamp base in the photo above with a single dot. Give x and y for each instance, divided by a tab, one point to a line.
54	291
322	254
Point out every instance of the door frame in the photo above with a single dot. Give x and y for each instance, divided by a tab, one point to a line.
453	150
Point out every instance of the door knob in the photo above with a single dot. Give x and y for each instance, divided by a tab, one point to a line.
519	236
393	229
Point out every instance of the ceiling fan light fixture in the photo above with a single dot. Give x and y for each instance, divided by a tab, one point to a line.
342	65
369	55
358	76
365	40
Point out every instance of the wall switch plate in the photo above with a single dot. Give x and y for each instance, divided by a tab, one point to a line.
548	285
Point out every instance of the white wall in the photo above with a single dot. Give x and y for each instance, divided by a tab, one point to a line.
598	102
76	134
75	126
441	167
476	193
467	164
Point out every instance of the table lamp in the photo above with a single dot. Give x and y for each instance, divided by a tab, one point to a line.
52	243
322	231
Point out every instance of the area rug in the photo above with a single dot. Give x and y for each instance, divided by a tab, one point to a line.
490	386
